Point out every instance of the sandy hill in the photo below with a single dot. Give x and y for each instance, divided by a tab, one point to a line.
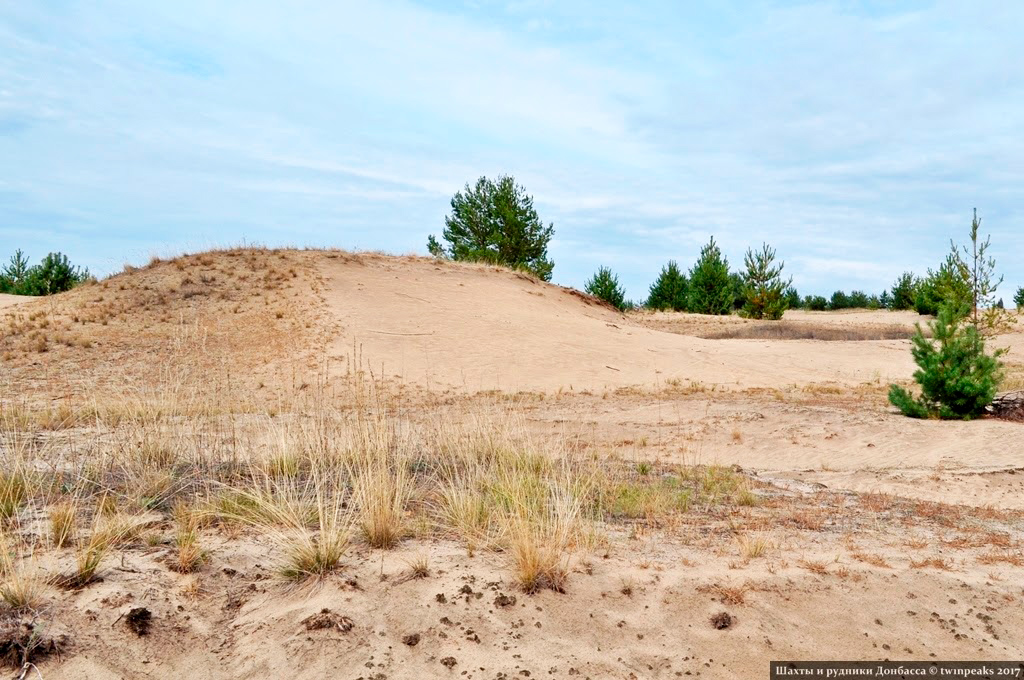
475	327
268	319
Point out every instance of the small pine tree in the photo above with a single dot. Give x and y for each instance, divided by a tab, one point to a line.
957	378
885	300
710	291
604	285
670	289
14	274
815	303
1018	298
859	300
840	300
763	287
978	269
495	221
903	291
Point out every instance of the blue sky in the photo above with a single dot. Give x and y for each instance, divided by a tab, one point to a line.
855	137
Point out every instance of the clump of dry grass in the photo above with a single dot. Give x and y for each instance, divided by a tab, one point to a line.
419	566
62	519
753	546
20	588
189	555
381	490
106	534
306	519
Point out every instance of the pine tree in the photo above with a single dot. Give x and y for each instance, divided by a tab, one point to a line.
977	268
670	289
763	287
13	275
1018	298
495	221
604	285
710	288
903	291
957	378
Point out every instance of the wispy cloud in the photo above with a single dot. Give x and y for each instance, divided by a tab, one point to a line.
854	137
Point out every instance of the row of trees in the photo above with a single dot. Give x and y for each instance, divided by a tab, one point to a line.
759	292
55	274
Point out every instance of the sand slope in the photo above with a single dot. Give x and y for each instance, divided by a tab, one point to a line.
11	300
475	328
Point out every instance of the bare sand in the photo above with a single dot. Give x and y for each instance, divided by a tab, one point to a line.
476	328
889	537
11	300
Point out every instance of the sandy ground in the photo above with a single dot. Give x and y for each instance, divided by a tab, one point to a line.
474	328
808	419
11	300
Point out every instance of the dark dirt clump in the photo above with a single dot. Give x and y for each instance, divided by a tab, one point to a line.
412	639
722	620
24	641
325	618
449	662
138	620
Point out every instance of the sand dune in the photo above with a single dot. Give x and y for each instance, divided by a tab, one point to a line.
474	328
11	300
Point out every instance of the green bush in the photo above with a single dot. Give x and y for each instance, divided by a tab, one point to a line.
957	378
948	286
495	221
815	303
1018	298
604	285
793	300
763	286
859	300
711	291
840	300
903	291
55	274
669	290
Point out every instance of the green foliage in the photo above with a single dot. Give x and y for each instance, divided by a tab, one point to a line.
885	300
957	378
669	291
903	291
858	299
763	287
815	303
495	221
55	274
948	286
874	302
792	297
840	300
736	284
604	285
1018	298
711	291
